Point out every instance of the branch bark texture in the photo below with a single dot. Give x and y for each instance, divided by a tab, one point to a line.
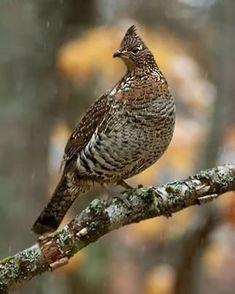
99	218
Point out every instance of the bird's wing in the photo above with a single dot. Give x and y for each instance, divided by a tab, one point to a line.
86	127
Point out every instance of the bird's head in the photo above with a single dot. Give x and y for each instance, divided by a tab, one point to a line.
134	52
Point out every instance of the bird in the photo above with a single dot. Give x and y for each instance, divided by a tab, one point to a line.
124	131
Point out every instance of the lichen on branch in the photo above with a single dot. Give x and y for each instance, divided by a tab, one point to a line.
99	218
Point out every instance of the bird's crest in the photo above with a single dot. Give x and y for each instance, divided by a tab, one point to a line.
131	30
131	38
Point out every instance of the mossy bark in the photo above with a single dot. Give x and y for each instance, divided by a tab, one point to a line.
99	218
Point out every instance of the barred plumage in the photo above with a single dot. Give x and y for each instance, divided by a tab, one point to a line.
125	131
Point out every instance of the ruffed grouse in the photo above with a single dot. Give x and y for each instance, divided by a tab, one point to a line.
124	131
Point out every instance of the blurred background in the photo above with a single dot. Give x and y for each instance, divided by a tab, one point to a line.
55	60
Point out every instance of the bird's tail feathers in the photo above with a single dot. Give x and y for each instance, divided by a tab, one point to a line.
61	200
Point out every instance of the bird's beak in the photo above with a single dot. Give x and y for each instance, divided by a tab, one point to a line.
117	53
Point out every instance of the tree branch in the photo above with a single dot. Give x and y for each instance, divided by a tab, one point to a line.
98	219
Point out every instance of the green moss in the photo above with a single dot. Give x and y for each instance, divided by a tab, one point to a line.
227	179
95	206
63	238
5	260
76	247
170	189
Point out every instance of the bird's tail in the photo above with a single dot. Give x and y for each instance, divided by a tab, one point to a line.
61	200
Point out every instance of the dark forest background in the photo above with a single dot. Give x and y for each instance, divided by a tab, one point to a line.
55	59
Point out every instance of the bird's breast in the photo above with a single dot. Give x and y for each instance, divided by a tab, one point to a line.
134	137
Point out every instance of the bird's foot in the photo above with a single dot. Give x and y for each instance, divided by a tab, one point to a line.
125	185
124	199
114	194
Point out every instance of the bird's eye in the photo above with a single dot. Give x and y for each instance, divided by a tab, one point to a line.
135	50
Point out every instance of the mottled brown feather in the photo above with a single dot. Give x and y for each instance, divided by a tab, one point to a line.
124	131
85	128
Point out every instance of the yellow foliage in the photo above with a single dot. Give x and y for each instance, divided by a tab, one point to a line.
151	229
161	228
74	263
184	147
179	222
160	280
230	137
92	52
227	204
216	257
